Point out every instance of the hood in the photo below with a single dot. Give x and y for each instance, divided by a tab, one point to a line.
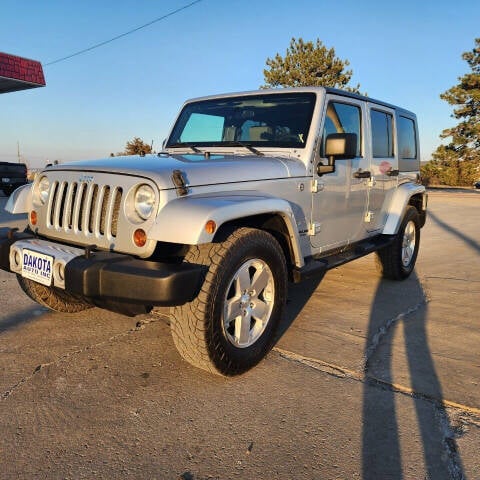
196	168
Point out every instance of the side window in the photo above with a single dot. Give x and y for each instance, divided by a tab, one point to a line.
382	134
203	128
407	145
342	118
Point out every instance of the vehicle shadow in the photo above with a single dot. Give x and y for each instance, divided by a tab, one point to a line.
382	440
19	318
448	228
298	296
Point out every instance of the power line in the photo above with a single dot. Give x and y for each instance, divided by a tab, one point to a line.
101	44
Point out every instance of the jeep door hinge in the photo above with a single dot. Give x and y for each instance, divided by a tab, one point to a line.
314	228
317	186
369	216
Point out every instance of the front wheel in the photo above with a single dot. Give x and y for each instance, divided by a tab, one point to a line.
51	297
397	261
230	326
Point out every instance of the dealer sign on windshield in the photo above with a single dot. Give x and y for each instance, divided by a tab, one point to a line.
37	266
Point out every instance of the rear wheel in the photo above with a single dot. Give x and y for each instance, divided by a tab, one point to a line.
52	297
230	326
397	261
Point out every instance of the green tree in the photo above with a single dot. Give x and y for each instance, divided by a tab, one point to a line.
465	97
137	147
458	162
308	64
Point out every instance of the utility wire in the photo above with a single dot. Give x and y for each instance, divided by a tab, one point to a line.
101	44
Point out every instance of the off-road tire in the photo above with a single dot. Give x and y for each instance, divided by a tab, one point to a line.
390	259
51	297
198	328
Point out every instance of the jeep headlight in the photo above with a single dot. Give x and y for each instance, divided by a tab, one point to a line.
144	201
41	191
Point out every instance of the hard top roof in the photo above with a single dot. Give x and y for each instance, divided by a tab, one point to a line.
287	90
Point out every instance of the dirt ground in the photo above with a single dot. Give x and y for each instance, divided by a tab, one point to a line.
370	379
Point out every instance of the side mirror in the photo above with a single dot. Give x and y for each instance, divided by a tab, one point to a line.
341	145
338	146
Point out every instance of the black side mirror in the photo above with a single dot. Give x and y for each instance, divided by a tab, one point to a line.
341	145
338	146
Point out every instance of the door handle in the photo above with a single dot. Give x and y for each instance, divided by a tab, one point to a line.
362	174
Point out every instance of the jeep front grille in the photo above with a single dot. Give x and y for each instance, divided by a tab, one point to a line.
86	209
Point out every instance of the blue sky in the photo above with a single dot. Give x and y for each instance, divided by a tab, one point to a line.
406	53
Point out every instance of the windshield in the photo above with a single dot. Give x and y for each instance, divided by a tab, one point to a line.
270	120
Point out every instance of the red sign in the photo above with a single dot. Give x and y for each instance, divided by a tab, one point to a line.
17	73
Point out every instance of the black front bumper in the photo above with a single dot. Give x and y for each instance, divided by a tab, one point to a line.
114	277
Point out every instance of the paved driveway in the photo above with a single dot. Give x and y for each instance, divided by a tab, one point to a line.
370	379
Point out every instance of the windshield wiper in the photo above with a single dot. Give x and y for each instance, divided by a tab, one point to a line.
245	145
194	148
231	143
186	145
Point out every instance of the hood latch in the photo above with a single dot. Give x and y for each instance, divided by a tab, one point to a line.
178	179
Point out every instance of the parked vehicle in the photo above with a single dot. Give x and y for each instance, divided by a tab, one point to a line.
252	190
12	176
476	184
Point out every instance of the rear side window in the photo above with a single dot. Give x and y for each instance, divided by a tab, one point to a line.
407	145
342	118
382	134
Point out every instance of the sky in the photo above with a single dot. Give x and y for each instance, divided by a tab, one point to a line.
405	53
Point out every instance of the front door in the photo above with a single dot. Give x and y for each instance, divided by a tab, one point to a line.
339	199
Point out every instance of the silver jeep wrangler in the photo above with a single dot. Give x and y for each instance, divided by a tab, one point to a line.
251	190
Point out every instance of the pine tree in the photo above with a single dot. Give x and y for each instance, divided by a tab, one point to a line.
465	96
307	64
458	162
137	147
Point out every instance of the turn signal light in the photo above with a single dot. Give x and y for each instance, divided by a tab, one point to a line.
139	237
210	227
33	217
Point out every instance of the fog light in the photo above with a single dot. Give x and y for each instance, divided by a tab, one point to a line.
210	227
140	237
33	217
60	270
17	259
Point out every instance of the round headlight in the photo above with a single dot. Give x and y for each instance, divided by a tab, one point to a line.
40	194
144	201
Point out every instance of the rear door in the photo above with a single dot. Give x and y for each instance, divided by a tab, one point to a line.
383	164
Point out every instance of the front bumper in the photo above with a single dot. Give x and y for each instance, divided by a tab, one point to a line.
113	277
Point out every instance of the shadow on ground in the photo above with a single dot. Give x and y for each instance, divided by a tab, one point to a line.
20	318
381	443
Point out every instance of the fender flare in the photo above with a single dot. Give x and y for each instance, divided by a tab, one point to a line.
398	205
183	219
20	201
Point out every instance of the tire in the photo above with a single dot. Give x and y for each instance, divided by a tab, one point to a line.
397	261
51	297
231	325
